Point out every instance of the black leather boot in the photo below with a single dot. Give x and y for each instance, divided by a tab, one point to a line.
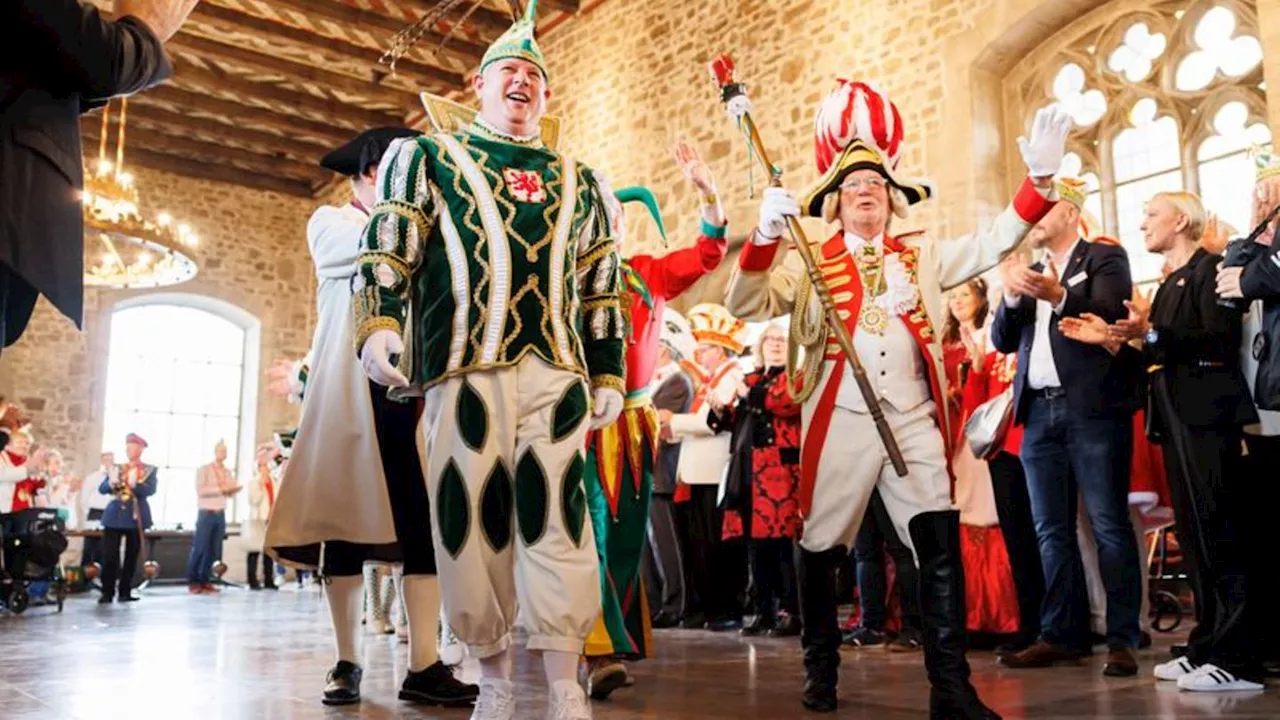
820	635
936	536
343	684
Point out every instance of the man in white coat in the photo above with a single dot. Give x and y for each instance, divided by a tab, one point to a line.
353	488
889	292
712	577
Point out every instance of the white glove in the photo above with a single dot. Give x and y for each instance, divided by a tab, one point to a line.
375	358
1043	152
777	205
606	408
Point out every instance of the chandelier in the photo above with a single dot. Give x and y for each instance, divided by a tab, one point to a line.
122	248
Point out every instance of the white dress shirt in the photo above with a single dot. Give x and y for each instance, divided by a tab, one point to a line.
892	360
90	498
1042	369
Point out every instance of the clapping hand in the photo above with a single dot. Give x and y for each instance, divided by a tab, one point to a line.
1088	328
1023	281
163	17
1266	196
1216	235
1136	325
975	346
280	378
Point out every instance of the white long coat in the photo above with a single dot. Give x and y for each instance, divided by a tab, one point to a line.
333	487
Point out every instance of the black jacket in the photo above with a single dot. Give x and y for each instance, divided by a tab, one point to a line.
1097	281
1197	348
58	58
674	394
1260	280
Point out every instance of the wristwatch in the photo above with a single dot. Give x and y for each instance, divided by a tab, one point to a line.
1152	336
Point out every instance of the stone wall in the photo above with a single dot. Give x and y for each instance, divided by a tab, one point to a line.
630	77
253	254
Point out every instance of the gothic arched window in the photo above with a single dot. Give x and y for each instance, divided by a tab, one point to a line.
1166	96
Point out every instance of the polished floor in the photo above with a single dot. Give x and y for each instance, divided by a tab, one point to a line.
264	655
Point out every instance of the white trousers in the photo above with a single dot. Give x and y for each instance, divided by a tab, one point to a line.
503	451
854	462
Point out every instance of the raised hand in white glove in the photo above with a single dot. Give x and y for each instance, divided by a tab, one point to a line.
1048	144
775	207
606	408
375	358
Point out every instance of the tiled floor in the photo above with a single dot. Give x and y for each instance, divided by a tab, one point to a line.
264	656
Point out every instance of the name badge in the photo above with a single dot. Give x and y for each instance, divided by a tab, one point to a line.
1077	278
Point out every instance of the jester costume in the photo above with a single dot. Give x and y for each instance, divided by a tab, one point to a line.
492	257
620	457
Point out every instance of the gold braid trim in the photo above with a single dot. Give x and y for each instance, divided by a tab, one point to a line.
380	257
610	382
803	379
408	211
600	302
372	325
593	254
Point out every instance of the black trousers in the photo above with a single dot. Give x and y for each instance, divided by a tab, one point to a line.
396	425
92	551
113	573
268	569
1211	512
1264	458
773	576
1018	526
662	566
715	570
875	536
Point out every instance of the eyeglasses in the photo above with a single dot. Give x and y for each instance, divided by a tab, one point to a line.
874	182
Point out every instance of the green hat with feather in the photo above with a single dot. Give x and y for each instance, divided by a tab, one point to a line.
518	41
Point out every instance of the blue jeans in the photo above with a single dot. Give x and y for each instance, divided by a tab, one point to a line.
1068	457
206	546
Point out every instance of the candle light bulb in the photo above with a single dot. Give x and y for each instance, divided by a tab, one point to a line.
164	219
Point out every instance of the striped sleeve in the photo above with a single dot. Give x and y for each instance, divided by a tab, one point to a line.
599	286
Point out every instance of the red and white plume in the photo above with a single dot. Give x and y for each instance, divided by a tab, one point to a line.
856	110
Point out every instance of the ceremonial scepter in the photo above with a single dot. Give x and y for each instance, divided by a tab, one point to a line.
734	96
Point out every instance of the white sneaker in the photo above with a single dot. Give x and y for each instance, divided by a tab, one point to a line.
1211	678
1174	669
568	702
495	701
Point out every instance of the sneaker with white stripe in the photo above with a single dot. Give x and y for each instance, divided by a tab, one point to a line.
1174	669
1211	678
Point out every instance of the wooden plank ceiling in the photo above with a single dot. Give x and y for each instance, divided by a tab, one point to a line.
263	88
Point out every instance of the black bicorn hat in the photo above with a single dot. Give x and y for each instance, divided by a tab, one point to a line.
364	150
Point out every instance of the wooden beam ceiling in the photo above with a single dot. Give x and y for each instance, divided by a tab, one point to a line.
337	112
276	31
262	62
262	89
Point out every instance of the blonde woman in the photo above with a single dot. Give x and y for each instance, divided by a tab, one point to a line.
1199	406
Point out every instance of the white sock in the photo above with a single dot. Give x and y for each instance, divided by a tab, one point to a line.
344	595
559	665
497	667
422	603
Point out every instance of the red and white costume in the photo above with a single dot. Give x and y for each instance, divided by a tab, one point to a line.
894	331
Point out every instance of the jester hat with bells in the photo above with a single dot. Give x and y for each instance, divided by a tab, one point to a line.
713	324
858	128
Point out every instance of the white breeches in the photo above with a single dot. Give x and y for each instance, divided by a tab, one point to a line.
854	462
503	453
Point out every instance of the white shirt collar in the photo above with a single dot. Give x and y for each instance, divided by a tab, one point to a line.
1065	258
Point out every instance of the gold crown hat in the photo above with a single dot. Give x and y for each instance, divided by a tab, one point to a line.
1072	190
713	324
518	41
856	128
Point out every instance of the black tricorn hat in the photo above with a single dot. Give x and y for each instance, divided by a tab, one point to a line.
364	150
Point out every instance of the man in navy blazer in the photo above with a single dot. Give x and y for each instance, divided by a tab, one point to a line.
1075	407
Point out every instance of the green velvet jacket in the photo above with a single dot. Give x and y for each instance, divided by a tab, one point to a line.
488	250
